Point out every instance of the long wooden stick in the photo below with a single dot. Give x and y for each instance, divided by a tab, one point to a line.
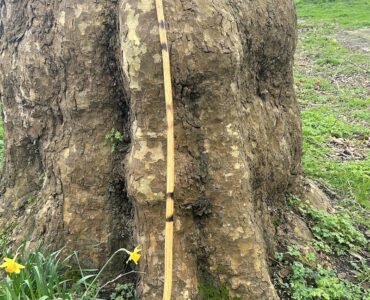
168	248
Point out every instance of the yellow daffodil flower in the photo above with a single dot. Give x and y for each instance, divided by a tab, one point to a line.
11	266
135	255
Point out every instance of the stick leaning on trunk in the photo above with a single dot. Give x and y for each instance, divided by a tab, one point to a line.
168	252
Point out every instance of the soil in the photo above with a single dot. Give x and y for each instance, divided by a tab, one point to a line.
346	149
355	40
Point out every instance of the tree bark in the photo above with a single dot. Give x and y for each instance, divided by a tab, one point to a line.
72	70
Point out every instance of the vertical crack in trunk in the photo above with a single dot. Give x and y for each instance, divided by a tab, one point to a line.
64	94
120	206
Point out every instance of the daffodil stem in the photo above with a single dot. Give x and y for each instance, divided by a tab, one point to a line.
79	266
102	269
115	279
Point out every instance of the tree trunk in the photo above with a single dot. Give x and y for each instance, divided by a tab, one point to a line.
72	70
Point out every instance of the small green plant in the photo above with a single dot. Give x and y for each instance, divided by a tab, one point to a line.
114	137
279	256
321	283
298	204
362	270
294	251
31	200
214	291
41	178
134	256
332	232
310	257
336	231
40	277
302	281
125	291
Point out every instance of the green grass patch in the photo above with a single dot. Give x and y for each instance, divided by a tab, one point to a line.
321	121
349	176
362	115
330	84
326	52
347	13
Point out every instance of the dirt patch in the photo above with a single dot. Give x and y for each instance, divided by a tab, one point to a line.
345	149
355	39
360	79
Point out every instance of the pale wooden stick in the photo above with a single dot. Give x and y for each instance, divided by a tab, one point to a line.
168	251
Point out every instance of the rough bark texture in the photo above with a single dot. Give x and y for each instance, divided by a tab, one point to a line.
71	70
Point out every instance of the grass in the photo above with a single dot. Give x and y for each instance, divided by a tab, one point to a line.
331	89
310	271
347	13
46	275
320	124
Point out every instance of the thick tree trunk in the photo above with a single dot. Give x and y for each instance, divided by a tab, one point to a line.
72	70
